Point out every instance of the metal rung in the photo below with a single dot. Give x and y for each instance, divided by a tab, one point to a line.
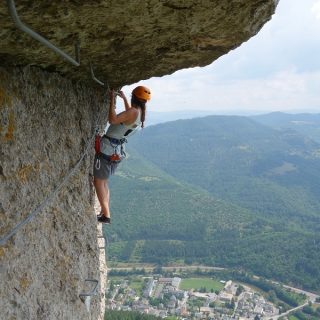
86	296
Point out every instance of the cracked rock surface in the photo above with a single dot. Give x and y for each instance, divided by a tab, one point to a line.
46	123
127	41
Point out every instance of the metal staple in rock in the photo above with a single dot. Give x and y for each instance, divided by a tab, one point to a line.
23	27
38	37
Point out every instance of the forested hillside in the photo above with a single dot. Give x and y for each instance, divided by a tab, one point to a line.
271	172
150	205
158	219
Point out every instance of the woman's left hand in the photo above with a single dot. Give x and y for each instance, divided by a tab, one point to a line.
111	94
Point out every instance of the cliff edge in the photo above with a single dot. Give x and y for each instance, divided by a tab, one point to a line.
49	109
127	41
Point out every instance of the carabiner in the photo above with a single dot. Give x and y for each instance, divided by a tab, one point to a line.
98	164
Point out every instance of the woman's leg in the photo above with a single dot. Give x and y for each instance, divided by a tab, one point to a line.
103	195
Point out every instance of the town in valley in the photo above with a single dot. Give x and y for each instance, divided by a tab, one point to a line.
192	298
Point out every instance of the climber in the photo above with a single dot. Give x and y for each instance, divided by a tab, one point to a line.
110	150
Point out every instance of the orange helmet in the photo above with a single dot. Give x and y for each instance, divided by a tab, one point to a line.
142	93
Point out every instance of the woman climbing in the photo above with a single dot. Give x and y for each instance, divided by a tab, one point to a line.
111	151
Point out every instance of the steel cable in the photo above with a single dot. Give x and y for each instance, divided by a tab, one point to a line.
45	202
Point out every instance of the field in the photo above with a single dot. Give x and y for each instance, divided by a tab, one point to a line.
137	284
197	283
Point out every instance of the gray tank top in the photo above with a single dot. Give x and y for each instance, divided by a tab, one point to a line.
119	131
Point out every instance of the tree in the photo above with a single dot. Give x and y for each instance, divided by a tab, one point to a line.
272	297
240	289
308	309
158	269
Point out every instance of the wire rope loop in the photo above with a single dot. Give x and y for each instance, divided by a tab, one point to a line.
98	164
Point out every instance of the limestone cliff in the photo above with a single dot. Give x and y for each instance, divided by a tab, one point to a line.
46	122
48	112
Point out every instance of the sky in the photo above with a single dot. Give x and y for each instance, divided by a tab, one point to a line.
276	70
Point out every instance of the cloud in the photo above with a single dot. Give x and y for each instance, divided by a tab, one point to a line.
287	90
316	9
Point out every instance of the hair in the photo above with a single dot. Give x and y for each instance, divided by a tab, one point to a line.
135	102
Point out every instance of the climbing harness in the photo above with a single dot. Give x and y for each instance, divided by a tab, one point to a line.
115	143
112	160
115	157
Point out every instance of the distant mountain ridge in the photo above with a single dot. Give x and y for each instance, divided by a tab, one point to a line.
306	123
154	117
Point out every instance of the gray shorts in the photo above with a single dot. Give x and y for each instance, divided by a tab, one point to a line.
103	167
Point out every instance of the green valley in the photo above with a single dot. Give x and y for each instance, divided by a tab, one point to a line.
226	205
271	172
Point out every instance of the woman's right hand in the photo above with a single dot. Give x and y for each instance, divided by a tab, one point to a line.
121	94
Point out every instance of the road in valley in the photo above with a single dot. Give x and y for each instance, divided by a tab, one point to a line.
173	268
286	313
311	296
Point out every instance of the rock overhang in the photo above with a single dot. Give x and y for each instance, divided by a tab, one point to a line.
127	41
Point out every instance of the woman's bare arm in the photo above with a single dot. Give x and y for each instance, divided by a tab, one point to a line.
128	116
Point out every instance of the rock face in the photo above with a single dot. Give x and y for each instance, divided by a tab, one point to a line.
127	41
48	112
46	123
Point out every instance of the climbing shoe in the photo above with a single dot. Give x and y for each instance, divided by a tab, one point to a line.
103	219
